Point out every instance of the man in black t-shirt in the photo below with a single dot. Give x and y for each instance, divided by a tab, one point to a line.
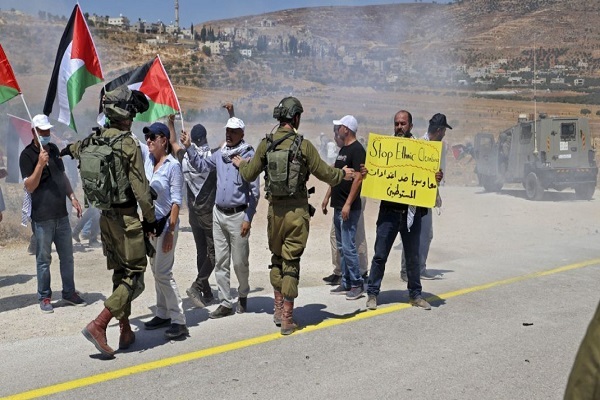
44	178
346	203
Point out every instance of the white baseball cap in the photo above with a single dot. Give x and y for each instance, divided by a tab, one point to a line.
41	121
348	121
235	123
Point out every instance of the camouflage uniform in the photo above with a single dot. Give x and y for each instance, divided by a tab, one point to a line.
584	382
121	229
288	217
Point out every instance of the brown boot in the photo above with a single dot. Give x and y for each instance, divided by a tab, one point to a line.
278	311
288	326
95	332
127	336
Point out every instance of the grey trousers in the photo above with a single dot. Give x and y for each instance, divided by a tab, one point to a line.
230	247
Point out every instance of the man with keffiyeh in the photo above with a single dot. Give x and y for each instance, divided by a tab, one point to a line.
201	190
235	206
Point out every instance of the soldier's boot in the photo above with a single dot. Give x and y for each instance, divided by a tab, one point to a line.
95	332
278	310
127	336
288	326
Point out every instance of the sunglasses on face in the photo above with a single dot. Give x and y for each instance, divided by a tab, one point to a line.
151	136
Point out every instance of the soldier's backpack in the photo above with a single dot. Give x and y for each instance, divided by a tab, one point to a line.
285	172
103	179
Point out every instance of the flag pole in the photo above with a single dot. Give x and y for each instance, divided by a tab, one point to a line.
37	136
173	89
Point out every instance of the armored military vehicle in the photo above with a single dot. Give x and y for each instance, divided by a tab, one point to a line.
547	153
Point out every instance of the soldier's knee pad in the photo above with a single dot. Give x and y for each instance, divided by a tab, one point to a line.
291	276
276	276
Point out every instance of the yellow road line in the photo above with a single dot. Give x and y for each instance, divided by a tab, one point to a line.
167	362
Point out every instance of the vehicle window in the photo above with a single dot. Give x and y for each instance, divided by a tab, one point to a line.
567	132
525	133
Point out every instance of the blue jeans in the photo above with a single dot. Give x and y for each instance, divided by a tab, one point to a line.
389	223
345	234
57	231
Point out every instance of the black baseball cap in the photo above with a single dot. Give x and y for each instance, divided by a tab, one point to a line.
438	121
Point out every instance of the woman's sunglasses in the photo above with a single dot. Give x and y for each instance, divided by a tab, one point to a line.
151	136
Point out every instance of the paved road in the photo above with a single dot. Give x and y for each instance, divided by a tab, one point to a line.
506	323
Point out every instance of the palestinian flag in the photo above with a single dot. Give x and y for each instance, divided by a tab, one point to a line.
152	80
76	68
9	87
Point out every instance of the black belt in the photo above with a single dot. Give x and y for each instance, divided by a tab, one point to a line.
233	210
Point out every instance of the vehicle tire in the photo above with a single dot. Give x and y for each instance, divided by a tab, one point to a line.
585	191
533	187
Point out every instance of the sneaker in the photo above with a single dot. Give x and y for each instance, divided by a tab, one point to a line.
242	305
76	237
196	297
95	244
221	312
355	293
46	306
420	302
176	331
156	323
333	279
339	290
403	277
372	302
430	276
74	300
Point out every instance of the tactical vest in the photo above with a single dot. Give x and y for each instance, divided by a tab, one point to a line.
286	171
104	179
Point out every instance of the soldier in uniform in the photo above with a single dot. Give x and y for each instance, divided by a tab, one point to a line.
122	231
288	216
584	381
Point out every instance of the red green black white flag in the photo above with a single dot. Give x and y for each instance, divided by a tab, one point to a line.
76	68
9	87
152	80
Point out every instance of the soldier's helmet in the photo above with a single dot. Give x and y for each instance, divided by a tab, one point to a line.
123	104
287	109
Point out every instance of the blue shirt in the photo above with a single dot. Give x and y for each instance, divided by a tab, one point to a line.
232	190
167	181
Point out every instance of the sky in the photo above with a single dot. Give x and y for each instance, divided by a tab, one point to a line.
190	11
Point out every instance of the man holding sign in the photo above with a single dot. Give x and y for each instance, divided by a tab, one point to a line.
401	173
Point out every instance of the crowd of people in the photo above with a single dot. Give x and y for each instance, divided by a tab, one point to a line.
223	191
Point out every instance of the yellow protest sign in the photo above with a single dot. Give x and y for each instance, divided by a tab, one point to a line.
402	170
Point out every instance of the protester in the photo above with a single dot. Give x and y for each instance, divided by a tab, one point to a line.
201	191
335	278
289	213
163	172
435	132
47	185
346	202
235	206
394	218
